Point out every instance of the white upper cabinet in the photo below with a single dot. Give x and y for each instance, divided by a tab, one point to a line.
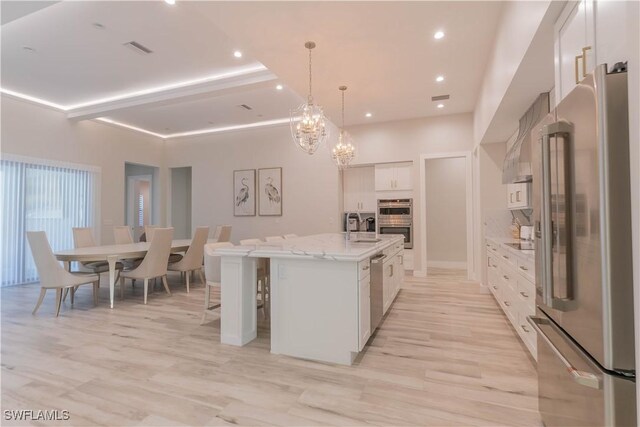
574	47
393	176
588	33
359	189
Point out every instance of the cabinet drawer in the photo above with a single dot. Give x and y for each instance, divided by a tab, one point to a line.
506	257
509	278
527	333
527	296
364	269
491	247
527	268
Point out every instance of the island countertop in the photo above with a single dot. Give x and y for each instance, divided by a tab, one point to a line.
330	246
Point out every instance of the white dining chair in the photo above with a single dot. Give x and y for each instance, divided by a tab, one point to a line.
53	275
122	235
262	274
192	259
222	233
290	236
148	232
212	272
274	238
83	238
154	263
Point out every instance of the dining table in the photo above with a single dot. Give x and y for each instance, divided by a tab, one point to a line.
114	253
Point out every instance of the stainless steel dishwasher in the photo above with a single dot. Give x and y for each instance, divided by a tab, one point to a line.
377	273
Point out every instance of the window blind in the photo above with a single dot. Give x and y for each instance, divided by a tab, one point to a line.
44	197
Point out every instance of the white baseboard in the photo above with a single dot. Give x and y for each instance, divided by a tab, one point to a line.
457	265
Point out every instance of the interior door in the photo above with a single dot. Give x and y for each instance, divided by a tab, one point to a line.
139	203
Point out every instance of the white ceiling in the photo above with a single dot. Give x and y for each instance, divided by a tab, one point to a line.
209	112
383	51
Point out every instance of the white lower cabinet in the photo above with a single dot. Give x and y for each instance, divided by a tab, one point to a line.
510	278
364	310
393	275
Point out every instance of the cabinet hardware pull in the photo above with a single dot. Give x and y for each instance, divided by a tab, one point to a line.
584	60
517	196
494	287
366	267
524	294
505	277
575	65
505	257
510	197
507	303
522	267
524	328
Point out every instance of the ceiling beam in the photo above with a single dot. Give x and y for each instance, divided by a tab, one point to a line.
211	88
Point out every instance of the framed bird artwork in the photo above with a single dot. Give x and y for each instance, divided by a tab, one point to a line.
270	191
244	192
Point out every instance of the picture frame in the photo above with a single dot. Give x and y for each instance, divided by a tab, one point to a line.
270	191
244	192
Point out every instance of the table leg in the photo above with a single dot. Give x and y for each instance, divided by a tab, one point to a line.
111	259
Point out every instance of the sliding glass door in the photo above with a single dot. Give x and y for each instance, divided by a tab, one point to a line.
50	198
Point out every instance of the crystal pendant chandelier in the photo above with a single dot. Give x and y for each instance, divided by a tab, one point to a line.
344	151
307	121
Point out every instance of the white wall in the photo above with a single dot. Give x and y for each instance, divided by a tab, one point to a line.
311	189
521	18
406	140
36	131
445	206
180	218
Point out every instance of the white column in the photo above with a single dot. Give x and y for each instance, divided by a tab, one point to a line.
238	324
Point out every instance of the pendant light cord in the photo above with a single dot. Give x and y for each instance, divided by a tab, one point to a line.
310	96
343	110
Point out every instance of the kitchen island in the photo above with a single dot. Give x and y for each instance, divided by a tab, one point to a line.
320	289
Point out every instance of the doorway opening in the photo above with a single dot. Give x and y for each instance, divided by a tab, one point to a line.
180	211
447	220
141	197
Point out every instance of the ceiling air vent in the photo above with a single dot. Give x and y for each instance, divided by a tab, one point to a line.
245	106
137	47
439	97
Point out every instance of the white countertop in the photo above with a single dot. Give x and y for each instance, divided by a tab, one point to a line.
528	254
330	246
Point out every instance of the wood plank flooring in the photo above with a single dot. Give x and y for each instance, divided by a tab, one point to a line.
444	356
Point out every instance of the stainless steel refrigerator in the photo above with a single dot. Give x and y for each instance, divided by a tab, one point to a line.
584	283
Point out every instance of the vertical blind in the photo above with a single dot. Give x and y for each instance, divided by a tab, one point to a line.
43	197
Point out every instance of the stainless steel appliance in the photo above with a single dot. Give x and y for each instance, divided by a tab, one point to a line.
377	275
395	216
584	292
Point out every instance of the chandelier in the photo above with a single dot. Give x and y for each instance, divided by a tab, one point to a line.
307	121
344	151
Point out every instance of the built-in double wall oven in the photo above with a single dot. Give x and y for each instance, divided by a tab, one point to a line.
395	216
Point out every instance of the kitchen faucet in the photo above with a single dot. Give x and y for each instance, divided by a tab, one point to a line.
348	237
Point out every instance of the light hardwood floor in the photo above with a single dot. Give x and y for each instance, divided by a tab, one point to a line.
444	355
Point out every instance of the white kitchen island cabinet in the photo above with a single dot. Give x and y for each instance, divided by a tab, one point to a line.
320	294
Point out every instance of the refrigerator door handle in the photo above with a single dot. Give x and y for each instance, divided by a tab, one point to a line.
550	230
586	379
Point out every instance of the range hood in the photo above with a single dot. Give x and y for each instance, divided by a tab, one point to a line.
517	163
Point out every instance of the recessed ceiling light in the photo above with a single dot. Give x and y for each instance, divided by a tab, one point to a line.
237	54
98	26
438	35
171	2
440	79
368	115
279	87
28	49
440	105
